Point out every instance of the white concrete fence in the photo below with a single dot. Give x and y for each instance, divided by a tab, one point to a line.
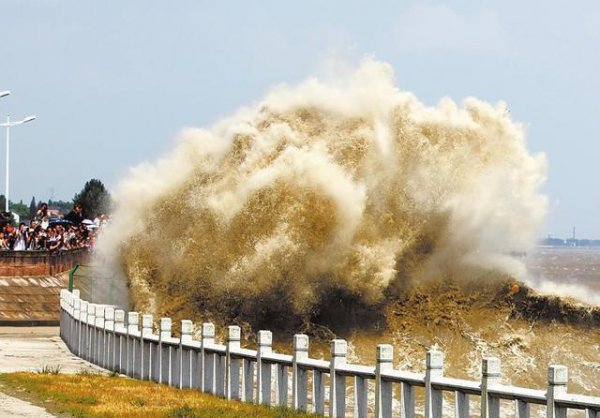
112	339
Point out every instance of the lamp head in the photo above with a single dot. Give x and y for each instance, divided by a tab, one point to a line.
4	93
29	118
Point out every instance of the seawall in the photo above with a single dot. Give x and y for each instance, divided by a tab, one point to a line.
30	283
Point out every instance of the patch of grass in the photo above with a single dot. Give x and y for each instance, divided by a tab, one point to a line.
181	412
89	372
96	395
47	369
87	400
138	402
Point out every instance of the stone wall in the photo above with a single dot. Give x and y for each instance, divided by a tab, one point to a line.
39	263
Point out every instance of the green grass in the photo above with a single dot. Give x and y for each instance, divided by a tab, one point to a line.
47	369
95	395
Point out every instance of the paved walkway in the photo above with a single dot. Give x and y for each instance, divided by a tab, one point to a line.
13	407
31	349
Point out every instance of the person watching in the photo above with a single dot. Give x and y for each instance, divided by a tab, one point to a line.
42	212
76	215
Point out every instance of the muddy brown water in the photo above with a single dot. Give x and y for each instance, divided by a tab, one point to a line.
527	331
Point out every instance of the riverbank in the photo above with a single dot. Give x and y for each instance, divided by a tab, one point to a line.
94	395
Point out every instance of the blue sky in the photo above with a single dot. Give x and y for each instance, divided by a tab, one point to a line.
113	82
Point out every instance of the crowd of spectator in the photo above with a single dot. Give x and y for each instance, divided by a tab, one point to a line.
43	233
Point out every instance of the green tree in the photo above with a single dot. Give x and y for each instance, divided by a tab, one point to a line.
93	198
32	207
20	209
65	205
2	202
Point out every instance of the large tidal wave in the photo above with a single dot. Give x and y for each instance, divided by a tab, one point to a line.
349	191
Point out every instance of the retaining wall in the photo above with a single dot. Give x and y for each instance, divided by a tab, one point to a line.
39	263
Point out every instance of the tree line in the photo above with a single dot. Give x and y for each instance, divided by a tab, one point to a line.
94	199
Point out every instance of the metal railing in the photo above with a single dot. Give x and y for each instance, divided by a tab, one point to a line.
112	339
96	283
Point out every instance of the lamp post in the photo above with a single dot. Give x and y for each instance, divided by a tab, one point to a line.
4	94
8	125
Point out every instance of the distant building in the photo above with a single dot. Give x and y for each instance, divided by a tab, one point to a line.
56	212
569	242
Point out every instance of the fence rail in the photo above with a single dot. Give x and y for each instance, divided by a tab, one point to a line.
113	339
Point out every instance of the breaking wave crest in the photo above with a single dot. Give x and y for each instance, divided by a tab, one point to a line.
343	191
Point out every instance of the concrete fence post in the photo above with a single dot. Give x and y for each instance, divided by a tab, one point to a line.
133	329
318	392
207	359
219	386
81	344
522	410
337	390
69	313
462	405
71	322
164	351
232	364
361	394
109	329
383	389
71	298
63	317
558	377
98	347
75	328
299	378
65	307
119	342
282	385
263	368
247	380
91	324
68	301
146	348
434	367
185	354
66	325
408	400
490	375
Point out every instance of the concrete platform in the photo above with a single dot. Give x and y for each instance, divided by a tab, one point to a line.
33	348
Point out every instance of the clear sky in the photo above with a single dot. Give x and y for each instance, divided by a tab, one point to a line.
112	82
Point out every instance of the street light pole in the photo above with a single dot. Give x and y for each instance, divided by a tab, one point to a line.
7	161
8	124
4	94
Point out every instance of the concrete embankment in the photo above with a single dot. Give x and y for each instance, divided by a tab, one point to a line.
30	283
27	301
